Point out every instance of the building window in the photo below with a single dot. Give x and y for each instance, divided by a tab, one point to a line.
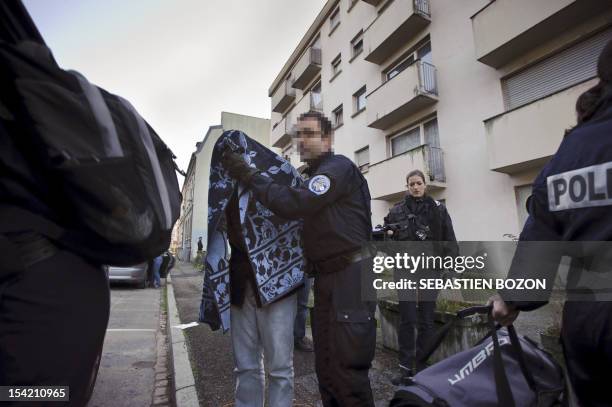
522	193
432	138
406	141
359	100
362	159
316	43
352	4
316	101
400	67
435	159
338	120
335	64
422	53
334	20
560	71
357	45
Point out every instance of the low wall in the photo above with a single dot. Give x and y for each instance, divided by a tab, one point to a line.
464	335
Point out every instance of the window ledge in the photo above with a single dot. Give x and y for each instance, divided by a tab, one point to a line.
338	126
358	112
331	31
355	56
335	76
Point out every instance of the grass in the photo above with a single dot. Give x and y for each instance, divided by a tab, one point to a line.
164	303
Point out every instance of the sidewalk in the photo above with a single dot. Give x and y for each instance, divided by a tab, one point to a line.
133	370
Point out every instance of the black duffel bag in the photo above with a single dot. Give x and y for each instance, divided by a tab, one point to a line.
503	370
107	177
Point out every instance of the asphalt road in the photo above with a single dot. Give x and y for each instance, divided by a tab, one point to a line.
127	375
212	361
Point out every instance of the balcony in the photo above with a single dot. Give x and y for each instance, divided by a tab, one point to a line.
307	67
281	132
506	29
427	159
528	136
408	92
283	97
394	27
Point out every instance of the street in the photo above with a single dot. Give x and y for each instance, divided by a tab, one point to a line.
130	372
212	361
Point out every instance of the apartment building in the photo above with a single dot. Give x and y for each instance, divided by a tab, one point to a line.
477	94
193	221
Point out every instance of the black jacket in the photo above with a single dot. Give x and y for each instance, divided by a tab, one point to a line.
571	201
425	216
335	206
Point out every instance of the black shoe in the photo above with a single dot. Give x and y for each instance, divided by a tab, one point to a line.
303	344
403	378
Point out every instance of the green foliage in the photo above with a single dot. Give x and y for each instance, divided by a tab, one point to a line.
451	306
198	262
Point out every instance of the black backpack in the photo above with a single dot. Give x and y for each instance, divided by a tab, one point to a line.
502	370
115	194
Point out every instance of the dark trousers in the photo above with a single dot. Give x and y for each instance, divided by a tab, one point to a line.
344	333
416	328
299	327
587	345
53	317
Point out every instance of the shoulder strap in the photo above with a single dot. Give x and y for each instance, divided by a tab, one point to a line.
15	219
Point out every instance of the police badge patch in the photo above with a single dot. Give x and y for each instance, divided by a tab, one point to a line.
319	184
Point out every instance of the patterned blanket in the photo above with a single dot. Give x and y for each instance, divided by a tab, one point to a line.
274	244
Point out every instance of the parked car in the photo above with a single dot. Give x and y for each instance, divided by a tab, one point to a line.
136	274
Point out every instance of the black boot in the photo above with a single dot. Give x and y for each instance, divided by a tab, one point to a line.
404	377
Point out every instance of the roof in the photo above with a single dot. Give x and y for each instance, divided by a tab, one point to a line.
304	42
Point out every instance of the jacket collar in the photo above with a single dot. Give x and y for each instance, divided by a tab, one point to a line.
315	163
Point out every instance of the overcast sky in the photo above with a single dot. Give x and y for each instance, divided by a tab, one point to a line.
180	62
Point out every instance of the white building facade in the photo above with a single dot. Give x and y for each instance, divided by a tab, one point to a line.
477	94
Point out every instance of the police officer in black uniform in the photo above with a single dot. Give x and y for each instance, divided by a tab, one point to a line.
418	217
572	201
335	206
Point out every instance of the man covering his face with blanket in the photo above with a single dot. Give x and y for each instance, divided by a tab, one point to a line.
251	288
335	207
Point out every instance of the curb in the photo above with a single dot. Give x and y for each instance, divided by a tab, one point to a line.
184	384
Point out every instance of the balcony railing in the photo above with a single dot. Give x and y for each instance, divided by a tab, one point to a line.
307	67
283	97
405	94
435	163
396	24
281	132
427	77
428	159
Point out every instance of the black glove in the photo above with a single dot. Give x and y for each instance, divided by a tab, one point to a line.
237	167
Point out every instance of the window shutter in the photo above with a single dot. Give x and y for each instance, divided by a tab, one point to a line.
560	71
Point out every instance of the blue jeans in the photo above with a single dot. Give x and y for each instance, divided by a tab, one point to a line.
263	338
299	328
156	266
